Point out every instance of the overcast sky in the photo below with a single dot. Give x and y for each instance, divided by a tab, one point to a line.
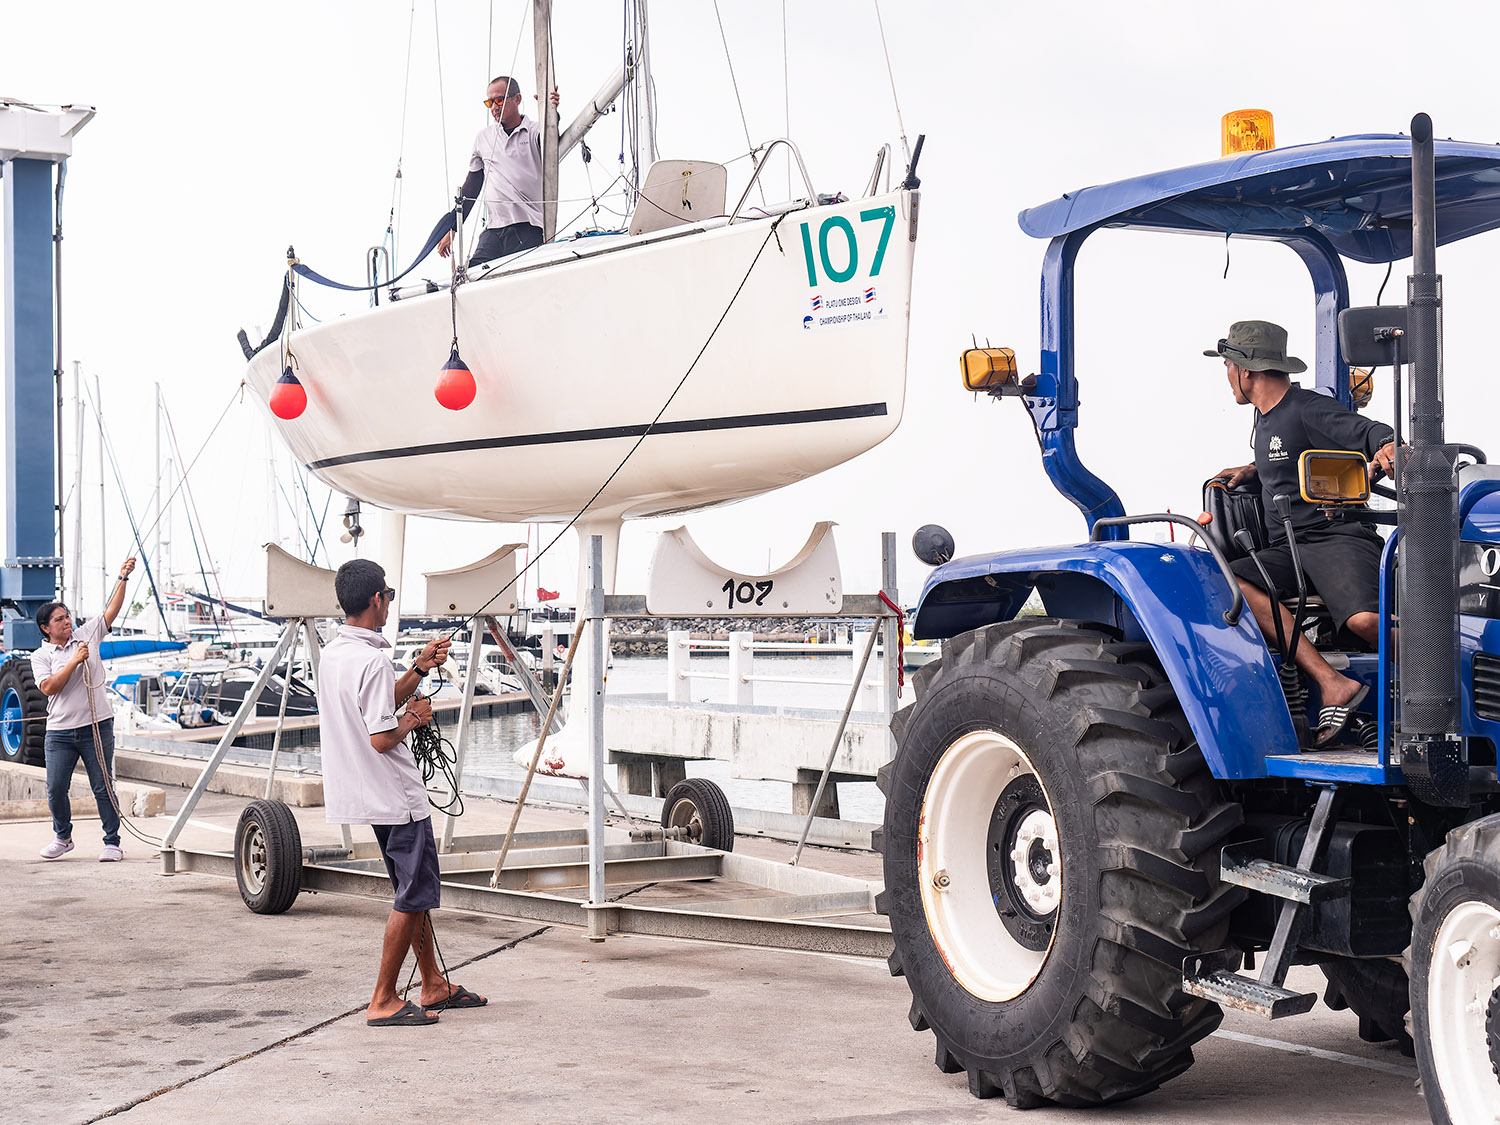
225	133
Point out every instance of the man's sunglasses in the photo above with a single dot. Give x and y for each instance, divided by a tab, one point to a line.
491	103
389	593
1226	348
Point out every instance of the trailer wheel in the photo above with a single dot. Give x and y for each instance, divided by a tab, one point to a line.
268	857
1377	992
23	715
1051	845
1454	964
700	806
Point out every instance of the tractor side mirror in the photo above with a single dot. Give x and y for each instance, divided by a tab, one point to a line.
1330	476
1365	335
932	544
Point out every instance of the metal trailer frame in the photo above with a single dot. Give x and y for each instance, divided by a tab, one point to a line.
539	865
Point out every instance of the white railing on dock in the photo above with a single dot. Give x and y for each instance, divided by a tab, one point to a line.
742	677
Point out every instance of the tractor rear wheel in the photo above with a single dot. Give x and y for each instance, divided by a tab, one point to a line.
1454	964
23	715
1051	845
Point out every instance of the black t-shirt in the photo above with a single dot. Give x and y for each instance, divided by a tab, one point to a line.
1305	420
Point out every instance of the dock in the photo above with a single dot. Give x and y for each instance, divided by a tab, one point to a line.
163	1000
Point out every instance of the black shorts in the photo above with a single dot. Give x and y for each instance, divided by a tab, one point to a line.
411	858
1342	566
501	242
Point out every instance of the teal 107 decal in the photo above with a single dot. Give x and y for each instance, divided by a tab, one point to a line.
839	232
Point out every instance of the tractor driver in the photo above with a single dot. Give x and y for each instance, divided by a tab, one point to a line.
1340	557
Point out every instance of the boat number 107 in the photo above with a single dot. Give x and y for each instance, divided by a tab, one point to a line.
839	231
747	593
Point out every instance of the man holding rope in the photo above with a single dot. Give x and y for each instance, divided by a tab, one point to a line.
370	777
70	674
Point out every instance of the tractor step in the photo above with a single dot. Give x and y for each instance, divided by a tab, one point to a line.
1210	977
1238	865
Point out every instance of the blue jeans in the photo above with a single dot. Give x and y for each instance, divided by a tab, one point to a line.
63	748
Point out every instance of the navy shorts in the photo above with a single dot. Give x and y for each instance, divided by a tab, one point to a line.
1341	566
411	858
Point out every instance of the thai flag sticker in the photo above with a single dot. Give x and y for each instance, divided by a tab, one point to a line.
817	303
869	296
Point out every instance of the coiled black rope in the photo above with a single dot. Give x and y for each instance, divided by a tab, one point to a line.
436	756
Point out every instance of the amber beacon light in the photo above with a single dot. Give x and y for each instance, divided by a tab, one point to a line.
1247	130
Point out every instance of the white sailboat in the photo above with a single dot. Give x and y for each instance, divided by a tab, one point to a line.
708	353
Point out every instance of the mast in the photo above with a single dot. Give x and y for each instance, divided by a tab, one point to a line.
156	511
103	554
643	99
77	600
546	78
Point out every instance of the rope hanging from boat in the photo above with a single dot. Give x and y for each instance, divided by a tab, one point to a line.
522	572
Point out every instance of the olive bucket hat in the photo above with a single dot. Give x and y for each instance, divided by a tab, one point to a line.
1257	345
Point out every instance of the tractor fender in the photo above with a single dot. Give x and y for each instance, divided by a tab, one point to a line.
1170	595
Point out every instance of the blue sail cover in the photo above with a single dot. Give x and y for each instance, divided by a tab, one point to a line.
1356	191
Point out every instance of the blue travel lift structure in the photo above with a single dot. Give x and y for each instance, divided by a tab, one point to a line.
34	147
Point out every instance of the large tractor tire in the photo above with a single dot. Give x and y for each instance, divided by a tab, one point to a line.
1378	994
23	715
1051	847
1454	965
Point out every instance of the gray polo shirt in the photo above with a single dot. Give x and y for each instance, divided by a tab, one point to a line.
357	698
69	708
512	164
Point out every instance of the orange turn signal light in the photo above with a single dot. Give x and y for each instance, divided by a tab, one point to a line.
988	369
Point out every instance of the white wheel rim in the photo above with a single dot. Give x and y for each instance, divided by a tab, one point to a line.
253	859
1462	976
953	875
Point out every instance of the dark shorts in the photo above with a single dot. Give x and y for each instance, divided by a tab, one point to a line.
1341	567
411	858
503	241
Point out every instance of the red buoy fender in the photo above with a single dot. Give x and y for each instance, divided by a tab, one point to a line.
288	397
455	387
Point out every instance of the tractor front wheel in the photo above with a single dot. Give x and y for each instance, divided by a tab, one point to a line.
1051	847
1454	965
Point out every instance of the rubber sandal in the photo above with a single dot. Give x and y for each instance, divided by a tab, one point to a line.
1333	719
458	997
409	1016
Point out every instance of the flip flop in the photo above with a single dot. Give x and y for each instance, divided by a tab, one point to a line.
459	997
1333	719
409	1016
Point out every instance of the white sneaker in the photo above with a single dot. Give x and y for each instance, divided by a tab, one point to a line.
57	849
111	854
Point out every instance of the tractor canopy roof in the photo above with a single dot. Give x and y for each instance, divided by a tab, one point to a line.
1355	191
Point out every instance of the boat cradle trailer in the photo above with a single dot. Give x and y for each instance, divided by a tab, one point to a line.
539	865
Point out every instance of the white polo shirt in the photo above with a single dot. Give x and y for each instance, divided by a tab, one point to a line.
69	708
357	698
512	164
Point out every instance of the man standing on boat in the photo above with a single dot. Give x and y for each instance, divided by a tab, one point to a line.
507	162
371	777
70	674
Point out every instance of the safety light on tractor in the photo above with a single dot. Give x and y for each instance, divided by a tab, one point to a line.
288	396
989	369
455	383
1333	477
1246	130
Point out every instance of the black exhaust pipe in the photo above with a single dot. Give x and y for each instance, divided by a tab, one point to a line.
1433	758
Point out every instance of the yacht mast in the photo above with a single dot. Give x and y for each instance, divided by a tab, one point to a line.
643	97
546	78
78	445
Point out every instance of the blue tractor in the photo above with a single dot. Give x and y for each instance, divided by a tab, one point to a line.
1106	823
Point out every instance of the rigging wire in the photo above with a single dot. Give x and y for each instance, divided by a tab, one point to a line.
900	125
723	38
396	184
192	505
786	102
437	40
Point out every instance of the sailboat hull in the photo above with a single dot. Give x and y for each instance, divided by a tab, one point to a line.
770	356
